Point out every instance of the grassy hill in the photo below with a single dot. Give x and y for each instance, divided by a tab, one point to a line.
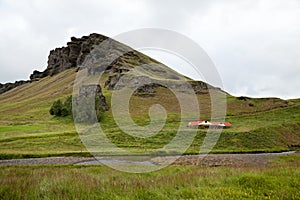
27	128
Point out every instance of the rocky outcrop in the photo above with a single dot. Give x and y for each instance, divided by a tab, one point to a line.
147	90
201	87
8	86
115	59
87	90
71	56
37	75
89	104
61	59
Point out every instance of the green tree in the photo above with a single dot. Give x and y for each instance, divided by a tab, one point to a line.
82	114
56	108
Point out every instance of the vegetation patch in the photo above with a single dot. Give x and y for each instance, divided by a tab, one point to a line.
278	181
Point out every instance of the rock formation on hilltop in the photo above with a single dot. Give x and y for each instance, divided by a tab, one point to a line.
61	59
113	58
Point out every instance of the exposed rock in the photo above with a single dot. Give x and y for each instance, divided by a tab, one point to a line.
251	104
58	61
71	56
37	75
147	90
86	91
119	78
8	86
243	98
117	60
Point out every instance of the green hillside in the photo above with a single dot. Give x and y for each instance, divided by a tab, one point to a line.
27	128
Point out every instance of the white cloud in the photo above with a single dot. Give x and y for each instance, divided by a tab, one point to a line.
254	43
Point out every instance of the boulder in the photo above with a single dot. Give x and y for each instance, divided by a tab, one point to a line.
87	90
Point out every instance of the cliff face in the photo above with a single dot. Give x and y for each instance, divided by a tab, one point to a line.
62	58
70	56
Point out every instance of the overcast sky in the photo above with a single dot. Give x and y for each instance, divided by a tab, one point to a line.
255	44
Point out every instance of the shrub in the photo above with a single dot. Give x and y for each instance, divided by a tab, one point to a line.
56	108
64	112
83	114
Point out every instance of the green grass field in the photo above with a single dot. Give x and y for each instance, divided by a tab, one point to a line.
28	130
280	180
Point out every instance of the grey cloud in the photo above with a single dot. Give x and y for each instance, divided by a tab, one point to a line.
254	43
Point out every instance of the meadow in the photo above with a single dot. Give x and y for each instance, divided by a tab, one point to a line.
250	133
279	180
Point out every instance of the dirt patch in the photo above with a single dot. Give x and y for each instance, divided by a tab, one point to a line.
211	160
214	160
45	161
217	160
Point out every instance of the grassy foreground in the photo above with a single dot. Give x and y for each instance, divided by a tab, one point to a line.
278	181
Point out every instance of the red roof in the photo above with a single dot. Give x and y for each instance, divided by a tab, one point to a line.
208	123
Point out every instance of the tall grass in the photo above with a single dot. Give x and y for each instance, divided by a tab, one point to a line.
279	181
